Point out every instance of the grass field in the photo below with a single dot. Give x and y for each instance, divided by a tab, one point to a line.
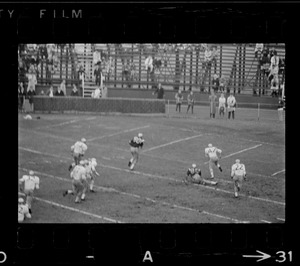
154	192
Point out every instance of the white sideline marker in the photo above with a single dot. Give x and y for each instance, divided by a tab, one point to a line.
75	210
265	221
278	172
172	142
118	133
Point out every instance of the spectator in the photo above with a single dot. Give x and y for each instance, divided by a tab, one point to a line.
222	105
30	95
274	87
231	104
191	101
59	92
96	93
212	103
31	79
179	100
215	83
265	63
159	91
149	63
274	66
258	49
50	92
63	87
97	58
42	93
21	94
49	70
97	75
222	84
74	91
104	92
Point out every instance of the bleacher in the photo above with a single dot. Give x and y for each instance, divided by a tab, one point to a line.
183	68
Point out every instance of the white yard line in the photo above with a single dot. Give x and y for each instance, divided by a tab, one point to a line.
238	152
265	221
278	172
172	142
76	210
281	219
119	132
66	123
139	197
161	177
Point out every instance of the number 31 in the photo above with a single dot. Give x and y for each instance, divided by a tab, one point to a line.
283	256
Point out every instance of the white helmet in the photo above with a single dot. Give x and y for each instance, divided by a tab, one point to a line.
83	140
82	162
194	165
209	145
140	135
237	161
21	200
31	172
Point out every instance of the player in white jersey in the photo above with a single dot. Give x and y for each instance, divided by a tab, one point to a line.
91	172
238	175
78	150
31	182
23	211
135	144
214	154
78	176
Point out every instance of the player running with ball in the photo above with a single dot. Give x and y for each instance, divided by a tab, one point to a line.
135	144
213	153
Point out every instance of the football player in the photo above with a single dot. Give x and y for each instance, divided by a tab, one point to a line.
78	176
23	211
78	150
135	144
238	175
213	153
91	172
31	183
194	175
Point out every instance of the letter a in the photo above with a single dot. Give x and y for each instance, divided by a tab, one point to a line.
147	256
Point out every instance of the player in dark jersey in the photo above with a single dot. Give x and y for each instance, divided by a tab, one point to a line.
193	175
135	144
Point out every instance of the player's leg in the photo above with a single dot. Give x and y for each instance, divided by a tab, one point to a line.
78	190
188	108
218	165
29	198
85	187
192	108
132	156
135	156
235	187
210	164
232	114
92	185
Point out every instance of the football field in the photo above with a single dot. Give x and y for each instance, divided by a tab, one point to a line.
154	191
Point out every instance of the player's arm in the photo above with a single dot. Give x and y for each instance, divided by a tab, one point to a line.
232	171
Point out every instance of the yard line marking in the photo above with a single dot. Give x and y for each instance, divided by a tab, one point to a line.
140	197
172	142
265	221
67	122
76	210
238	152
118	133
281	219
161	177
278	172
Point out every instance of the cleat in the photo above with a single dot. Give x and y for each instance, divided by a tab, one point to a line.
30	211
93	191
70	167
220	169
65	193
129	164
